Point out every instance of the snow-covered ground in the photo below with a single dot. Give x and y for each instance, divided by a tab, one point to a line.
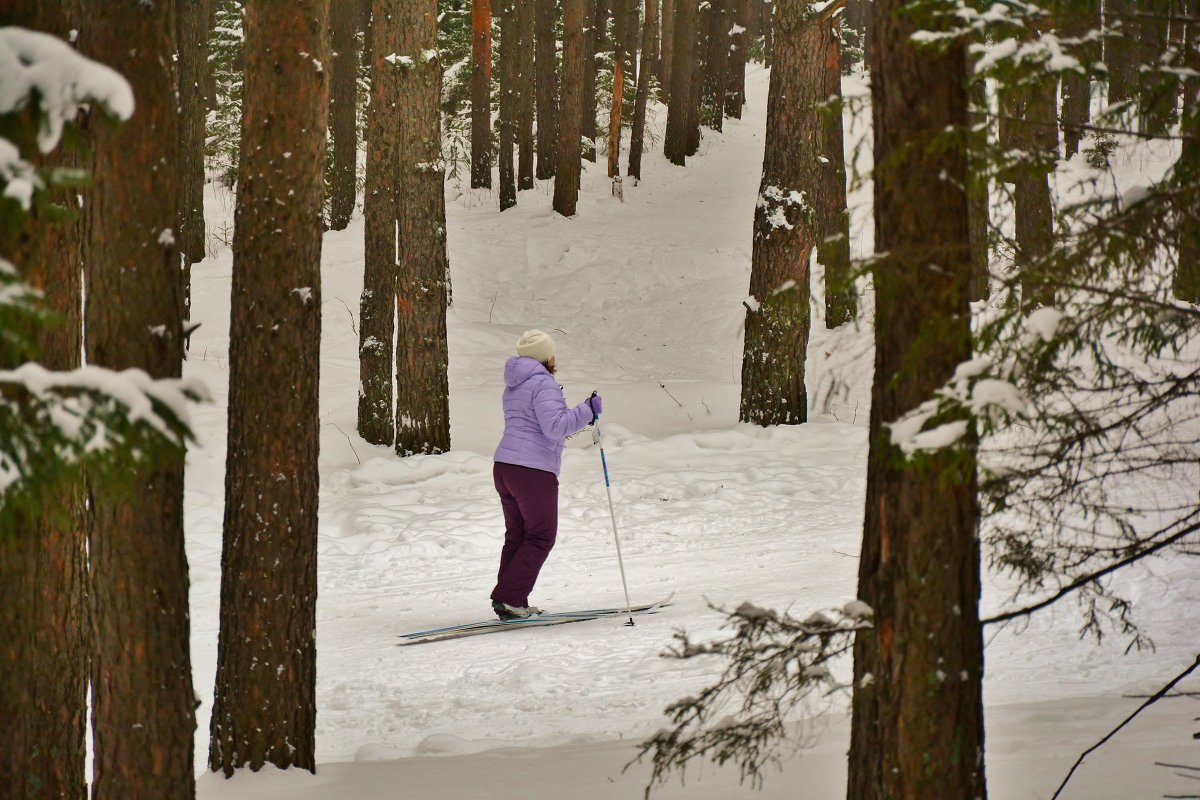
644	300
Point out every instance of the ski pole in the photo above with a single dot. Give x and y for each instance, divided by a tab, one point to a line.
611	511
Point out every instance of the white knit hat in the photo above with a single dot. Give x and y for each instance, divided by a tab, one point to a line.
537	345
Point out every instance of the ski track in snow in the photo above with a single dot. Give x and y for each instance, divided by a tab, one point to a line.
644	301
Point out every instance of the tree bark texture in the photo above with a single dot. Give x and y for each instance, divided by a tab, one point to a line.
646	67
829	195
344	23
739	52
1157	93
547	87
481	94
525	88
264	703
978	199
191	22
683	64
143	706
666	49
1186	283
716	77
377	304
697	76
917	729
858	19
567	174
1076	88
422	288
787	225
614	114
596	20
509	48
1120	49
44	631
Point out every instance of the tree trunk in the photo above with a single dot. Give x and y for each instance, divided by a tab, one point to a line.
1120	49
547	88
666	52
422	289
858	19
1157	92
917	724
191	21
614	115
786	224
1186	283
143	705
716	77
829	196
697	73
768	15
525	89
978	200
44	642
649	57
509	47
567	174
343	113
675	143
739	52
1076	88
377	305
264	703
481	94
596	12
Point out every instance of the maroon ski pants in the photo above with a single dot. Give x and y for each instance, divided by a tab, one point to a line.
529	498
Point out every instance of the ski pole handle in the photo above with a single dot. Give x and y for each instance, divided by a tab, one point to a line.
595	416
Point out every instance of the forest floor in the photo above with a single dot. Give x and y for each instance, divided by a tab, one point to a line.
644	299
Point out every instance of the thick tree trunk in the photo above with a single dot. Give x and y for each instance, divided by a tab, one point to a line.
675	143
191	25
1186	284
917	729
264	703
596	18
547	88
1077	89
645	68
481	94
666	52
829	196
697	73
1120	49
739	52
614	115
44	642
524	84
566	176
768	15
377	305
509	56
787	227
978	200
143	705
343	113
1157	93
716	77
422	289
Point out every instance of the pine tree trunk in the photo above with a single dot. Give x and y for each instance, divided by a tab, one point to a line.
858	19
978	200
422	288
191	21
343	113
675	143
614	114
1186	283
666	51
1076	88
596	18
829	196
716	77
481	94
566	176
649	57
509	46
44	641
787	227
377	305
525	88
917	724
143	705
697	73
739	51
264	703
547	88
1120	49
1156	93
768	16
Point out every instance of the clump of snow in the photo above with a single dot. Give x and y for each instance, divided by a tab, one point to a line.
857	609
1044	323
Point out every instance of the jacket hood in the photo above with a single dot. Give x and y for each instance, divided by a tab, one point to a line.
519	369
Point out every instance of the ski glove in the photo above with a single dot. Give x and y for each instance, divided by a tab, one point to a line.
596	404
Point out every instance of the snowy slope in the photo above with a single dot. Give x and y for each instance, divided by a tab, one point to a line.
644	300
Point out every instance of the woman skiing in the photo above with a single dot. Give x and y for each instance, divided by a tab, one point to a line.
536	423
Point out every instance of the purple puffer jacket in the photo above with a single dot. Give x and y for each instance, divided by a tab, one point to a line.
536	417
